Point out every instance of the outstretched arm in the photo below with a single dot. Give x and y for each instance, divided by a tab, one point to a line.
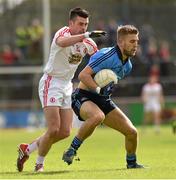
69	41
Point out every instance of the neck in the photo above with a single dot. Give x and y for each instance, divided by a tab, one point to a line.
121	50
124	57
121	55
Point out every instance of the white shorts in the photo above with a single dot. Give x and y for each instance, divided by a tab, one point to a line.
55	92
152	107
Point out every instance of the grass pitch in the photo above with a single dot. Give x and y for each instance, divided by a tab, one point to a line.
102	156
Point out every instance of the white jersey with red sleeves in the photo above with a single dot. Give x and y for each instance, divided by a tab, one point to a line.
63	62
152	94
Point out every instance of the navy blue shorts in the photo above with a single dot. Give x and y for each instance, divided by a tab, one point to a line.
79	96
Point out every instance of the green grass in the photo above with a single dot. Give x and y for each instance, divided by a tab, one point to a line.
102	156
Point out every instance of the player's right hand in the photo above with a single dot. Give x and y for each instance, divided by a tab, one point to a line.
94	34
107	90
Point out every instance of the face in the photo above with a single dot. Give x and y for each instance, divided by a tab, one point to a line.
129	45
78	25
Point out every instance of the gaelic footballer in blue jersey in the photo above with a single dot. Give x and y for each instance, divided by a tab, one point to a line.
93	104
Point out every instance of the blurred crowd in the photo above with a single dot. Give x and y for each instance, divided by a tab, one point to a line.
153	52
28	45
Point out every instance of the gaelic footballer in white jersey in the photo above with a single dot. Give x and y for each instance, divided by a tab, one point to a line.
55	86
152	94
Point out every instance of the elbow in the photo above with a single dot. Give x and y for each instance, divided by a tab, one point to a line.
85	75
81	76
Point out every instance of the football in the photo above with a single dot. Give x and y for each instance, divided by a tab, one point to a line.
104	77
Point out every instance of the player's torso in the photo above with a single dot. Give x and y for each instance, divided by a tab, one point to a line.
63	62
152	92
108	58
121	69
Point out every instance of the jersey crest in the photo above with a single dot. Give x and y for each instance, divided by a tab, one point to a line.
75	58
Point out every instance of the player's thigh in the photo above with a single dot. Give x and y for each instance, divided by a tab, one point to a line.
157	111
117	120
156	115
52	116
148	115
66	119
89	109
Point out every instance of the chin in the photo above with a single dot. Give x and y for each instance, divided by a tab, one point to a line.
133	54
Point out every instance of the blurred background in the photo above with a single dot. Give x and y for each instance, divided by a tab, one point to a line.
27	28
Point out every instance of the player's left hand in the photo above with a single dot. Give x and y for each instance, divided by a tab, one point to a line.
107	90
94	34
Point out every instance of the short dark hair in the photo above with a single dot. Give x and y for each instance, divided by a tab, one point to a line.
126	29
78	12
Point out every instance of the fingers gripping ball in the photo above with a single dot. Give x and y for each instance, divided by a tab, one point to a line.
104	77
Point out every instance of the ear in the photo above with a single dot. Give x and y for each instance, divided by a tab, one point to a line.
121	42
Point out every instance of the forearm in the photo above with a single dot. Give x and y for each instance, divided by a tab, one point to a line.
88	81
69	41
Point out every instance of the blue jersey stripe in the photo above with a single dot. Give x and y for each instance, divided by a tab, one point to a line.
102	58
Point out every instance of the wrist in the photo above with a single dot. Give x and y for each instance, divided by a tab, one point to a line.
97	90
86	34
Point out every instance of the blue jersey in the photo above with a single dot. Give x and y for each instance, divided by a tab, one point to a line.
110	58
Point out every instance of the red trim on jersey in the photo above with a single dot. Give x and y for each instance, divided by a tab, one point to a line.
61	33
91	44
45	91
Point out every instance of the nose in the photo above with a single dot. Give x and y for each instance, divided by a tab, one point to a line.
135	45
84	29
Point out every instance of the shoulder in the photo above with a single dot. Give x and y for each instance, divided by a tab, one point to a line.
103	55
108	51
146	86
62	32
102	52
159	86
